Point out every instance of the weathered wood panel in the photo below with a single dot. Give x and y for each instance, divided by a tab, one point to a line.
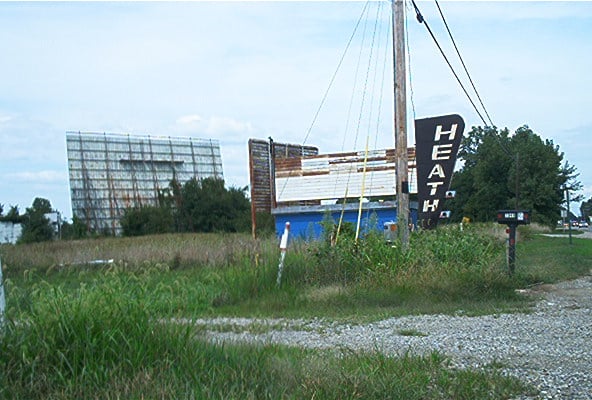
260	159
340	175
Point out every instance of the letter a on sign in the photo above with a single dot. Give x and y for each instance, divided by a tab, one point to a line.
437	141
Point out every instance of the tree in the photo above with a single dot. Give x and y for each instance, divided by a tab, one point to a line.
13	215
586	209
207	206
203	205
36	226
482	184
146	220
510	172
75	230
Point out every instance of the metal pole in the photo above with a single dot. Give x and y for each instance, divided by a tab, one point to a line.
512	249
568	216
272	173
2	299
283	249
400	121
252	180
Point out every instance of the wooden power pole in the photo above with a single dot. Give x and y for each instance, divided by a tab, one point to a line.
401	122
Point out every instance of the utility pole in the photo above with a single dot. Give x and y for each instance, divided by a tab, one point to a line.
568	215
400	121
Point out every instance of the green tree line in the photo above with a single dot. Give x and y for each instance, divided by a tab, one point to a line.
503	171
199	205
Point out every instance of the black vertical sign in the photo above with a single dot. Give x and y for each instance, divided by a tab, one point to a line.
437	141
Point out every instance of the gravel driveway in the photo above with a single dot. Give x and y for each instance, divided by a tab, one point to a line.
551	347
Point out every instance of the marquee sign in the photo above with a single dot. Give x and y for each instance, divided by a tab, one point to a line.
437	141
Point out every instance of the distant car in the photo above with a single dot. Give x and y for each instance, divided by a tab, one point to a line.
583	224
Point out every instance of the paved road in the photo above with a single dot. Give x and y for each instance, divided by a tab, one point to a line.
584	235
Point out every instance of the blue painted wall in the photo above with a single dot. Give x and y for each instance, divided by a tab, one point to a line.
306	224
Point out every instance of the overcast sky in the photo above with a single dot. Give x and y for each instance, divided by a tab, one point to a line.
238	70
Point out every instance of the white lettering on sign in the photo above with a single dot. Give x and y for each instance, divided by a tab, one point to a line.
434	186
442	151
439	132
438	171
437	142
430	206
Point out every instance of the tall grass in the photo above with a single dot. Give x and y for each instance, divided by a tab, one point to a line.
175	250
443	271
78	330
101	342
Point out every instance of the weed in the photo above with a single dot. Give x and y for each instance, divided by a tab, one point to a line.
411	332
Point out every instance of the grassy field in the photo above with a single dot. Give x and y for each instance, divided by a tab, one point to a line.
83	329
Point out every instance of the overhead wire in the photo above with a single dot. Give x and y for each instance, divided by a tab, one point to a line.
421	20
409	67
365	163
346	193
381	92
463	62
413	169
335	73
362	107
332	80
499	140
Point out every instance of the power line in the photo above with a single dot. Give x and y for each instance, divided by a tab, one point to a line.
308	132
335	73
423	21
409	66
499	140
463	62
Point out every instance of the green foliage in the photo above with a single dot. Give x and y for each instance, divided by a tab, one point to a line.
203	205
36	226
199	274
265	224
586	209
207	206
502	171
101	340
12	215
76	230
441	261
146	220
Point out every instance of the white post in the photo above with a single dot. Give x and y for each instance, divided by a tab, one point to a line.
2	299
283	248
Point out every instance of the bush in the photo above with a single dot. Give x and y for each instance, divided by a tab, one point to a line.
146	220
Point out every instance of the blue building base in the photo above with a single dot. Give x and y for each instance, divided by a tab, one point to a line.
306	221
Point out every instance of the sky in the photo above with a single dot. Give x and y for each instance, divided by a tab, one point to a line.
315	73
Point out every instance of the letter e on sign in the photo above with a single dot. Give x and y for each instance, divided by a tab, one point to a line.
442	151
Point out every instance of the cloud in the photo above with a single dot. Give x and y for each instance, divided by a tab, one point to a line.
234	71
188	120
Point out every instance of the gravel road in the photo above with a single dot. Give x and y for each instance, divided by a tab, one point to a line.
551	347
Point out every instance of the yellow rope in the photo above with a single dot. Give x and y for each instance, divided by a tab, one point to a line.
342	212
363	188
